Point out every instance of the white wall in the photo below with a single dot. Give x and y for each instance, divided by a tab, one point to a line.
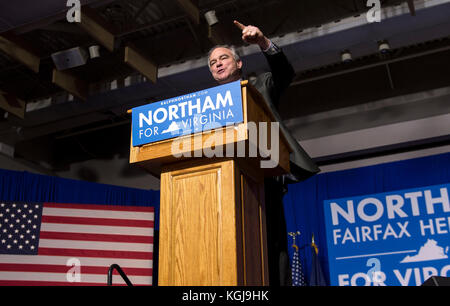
406	119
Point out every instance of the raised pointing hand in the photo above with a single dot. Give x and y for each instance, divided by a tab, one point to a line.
252	35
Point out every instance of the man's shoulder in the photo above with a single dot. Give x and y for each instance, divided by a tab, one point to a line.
261	79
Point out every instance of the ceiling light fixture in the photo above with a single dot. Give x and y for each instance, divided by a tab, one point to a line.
346	56
383	47
211	18
94	51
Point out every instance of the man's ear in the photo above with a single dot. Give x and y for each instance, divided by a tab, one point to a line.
239	64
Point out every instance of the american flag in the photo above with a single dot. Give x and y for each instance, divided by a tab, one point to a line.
298	279
74	244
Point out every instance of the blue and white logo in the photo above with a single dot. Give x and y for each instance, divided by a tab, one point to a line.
191	113
403	235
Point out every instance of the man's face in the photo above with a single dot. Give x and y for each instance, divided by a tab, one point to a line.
224	68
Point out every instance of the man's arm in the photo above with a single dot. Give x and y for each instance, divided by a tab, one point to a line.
282	71
282	74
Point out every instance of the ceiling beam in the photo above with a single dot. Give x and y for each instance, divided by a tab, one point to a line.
19	50
12	104
97	27
135	59
194	34
39	14
70	83
105	34
191	8
215	35
412	8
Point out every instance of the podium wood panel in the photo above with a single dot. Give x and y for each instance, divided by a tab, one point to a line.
212	230
252	253
197	232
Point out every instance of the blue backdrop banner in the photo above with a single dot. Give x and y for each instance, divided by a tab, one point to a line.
306	211
394	238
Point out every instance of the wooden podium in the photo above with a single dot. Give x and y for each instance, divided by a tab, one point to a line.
212	216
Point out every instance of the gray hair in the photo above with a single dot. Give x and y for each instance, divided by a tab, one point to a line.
229	47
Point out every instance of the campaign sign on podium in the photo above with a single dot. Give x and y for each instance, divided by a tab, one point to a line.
191	113
397	238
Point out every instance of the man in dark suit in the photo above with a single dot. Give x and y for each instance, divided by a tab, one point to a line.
226	66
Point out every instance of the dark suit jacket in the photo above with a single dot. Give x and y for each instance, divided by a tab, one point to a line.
271	85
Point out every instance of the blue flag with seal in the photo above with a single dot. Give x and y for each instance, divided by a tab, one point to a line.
398	238
191	113
317	278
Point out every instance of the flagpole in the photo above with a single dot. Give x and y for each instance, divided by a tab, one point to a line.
298	278
314	245
317	278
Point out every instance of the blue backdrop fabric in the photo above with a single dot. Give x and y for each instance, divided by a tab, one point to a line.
25	186
303	203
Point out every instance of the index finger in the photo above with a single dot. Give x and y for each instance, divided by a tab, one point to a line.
239	25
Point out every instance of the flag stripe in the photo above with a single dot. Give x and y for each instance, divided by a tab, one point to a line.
96	221
85	261
62	277
76	241
95	253
92	229
90	245
97	237
43	283
101	207
92	213
65	269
